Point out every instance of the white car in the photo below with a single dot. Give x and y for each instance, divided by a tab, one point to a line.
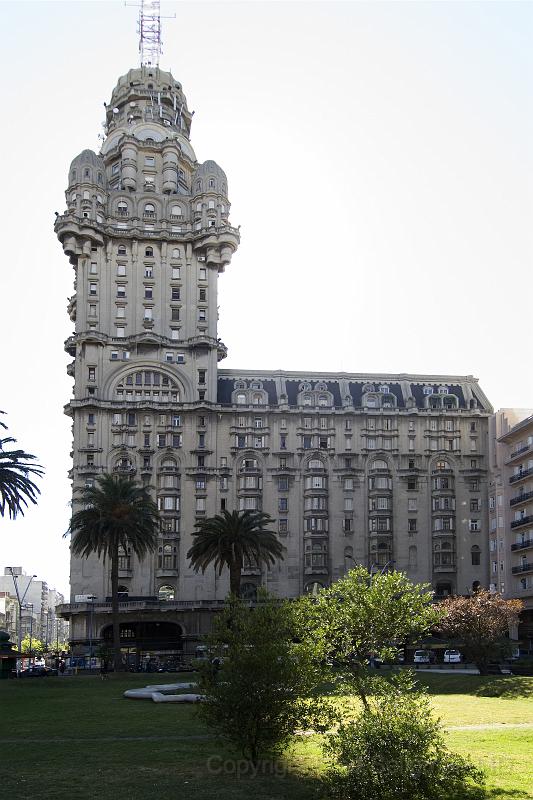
452	657
421	657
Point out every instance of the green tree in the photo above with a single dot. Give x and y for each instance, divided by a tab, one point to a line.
264	688
394	750
16	486
479	625
37	647
363	616
228	539
115	514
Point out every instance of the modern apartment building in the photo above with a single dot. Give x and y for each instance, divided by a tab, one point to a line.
380	470
511	512
38	615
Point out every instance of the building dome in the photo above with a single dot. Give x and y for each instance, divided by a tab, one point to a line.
87	167
206	172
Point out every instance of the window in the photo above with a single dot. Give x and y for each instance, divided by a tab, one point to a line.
94	268
201	376
412	504
93	289
201	315
283	484
161	440
202	275
121	290
202	295
347	484
175	314
474	525
307	442
176	272
475	553
121	270
283	504
411	525
175	293
283	442
475	504
91	373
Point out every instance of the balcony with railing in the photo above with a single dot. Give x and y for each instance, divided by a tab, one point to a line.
520	498
523	473
522	568
523	545
525	520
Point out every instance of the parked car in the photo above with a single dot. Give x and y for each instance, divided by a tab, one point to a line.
35	672
422	657
452	657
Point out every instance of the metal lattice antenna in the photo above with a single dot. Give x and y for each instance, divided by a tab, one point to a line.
149	30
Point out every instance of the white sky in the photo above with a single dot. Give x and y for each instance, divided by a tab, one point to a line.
379	163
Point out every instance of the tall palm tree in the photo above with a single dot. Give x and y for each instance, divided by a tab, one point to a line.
16	487
116	513
227	539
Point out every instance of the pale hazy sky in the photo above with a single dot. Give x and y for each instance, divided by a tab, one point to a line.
379	163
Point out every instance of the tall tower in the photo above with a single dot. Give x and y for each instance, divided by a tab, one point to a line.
147	232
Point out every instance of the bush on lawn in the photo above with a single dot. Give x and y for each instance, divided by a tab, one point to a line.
394	750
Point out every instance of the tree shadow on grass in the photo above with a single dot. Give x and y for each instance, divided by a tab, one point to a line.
512	687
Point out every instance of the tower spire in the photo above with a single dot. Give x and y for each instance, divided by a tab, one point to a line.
149	29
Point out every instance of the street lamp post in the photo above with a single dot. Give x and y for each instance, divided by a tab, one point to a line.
91	598
20	601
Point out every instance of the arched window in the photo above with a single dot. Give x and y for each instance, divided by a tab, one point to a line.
121	250
198	206
122	208
257	399
315	463
176	211
323	400
149	252
442	465
123	590
241	399
198	184
167	557
313	587
148	385
149	210
166	593
371	401
378	463
308	400
475	553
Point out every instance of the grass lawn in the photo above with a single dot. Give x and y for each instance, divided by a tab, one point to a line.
77	737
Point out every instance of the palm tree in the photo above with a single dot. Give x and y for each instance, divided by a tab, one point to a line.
16	487
116	514
227	539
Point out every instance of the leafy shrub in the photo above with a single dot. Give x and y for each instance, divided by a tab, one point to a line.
394	750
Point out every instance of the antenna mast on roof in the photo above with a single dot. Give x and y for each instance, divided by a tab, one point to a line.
149	30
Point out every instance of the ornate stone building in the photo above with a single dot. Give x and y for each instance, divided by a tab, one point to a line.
380	470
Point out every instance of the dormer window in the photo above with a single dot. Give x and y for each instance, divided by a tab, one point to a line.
384	389
428	389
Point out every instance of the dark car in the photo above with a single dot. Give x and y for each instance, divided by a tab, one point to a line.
35	672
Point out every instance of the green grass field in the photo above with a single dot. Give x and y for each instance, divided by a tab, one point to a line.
77	737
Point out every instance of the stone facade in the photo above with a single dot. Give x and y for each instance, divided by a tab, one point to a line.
381	470
511	513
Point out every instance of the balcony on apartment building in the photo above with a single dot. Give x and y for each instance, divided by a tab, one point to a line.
524	520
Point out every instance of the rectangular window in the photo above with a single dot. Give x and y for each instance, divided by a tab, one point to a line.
93	289
120	312
411	525
202	274
475	504
474	525
175	314
176	440
412	504
283	484
201	376
149	161
347	484
91	373
161	440
224	484
201	440
176	421
370	443
201	315
307	442
148	292
176	273
283	442
348	504
283	526
241	441
307	422
94	268
121	270
121	290
148	314
148	272
283	504
202	295
176	293
347	442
